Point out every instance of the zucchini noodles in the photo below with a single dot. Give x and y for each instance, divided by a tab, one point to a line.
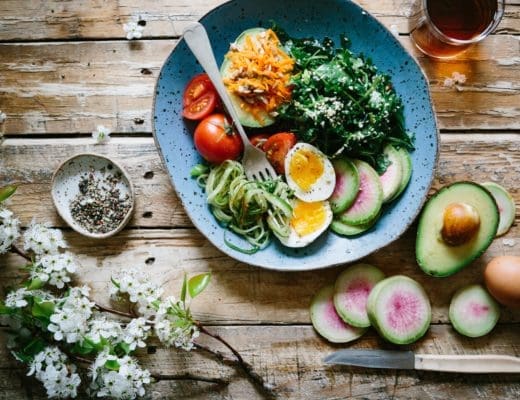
249	208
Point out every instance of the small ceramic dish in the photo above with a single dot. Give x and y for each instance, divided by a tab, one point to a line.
66	182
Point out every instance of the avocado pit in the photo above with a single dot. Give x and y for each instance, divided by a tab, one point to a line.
461	222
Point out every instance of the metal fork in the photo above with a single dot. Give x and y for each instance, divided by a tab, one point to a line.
256	165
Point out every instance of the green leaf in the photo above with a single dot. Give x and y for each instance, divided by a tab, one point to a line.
42	309
35	284
34	347
6	192
125	347
115	283
198	283
184	288
112	365
87	346
4	310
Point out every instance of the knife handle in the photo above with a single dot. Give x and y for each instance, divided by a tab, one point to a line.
473	364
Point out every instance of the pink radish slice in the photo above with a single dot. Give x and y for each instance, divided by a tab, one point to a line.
352	289
473	312
326	320
392	177
369	198
399	309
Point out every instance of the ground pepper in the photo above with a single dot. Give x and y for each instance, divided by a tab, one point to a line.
100	207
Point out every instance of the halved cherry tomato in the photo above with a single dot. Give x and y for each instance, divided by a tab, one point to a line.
215	140
277	147
259	139
199	98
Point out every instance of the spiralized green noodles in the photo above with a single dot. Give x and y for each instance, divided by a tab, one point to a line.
249	208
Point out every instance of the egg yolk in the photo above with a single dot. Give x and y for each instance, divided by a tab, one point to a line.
308	217
305	168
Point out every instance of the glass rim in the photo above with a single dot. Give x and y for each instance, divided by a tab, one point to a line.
445	38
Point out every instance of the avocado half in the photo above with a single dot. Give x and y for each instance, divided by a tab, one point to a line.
245	118
434	255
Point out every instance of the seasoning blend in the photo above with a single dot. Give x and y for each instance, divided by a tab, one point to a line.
93	195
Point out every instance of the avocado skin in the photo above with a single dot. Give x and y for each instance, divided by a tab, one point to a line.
441	259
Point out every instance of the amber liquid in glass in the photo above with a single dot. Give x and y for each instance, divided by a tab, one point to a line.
456	19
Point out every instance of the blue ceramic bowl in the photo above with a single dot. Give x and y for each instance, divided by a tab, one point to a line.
300	18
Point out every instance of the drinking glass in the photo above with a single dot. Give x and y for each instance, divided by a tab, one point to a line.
445	28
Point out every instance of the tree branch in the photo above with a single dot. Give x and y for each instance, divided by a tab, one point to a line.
14	249
239	362
188	377
101	307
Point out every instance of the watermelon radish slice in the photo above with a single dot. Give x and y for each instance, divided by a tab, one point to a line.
506	206
351	292
406	165
369	198
473	312
326	320
344	229
392	177
399	309
347	185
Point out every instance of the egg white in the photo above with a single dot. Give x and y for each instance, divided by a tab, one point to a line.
295	240
323	187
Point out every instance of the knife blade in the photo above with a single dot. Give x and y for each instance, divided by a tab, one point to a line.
397	359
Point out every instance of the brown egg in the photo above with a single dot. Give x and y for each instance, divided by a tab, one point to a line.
502	276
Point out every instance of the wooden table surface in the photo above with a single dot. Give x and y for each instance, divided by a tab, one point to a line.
65	67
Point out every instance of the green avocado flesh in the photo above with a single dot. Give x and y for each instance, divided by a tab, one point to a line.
246	118
433	254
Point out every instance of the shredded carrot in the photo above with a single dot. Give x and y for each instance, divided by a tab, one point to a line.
260	73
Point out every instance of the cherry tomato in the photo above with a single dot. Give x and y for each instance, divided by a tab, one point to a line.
277	147
199	98
215	140
259	139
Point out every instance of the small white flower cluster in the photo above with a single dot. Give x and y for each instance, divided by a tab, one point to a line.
455	79
59	378
172	327
3	117
100	328
9	229
101	134
133	29
124	379
69	321
55	269
43	240
16	298
135	333
139	289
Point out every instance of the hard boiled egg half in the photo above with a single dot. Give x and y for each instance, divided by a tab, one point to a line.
309	220
309	173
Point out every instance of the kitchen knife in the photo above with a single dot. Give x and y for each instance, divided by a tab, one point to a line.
474	364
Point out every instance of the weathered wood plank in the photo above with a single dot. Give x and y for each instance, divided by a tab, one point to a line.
290	359
30	163
243	294
93	19
72	87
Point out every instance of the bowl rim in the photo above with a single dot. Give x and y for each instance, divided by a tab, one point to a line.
73	224
316	266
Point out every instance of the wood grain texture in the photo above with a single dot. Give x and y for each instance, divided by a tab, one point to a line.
290	359
29	163
60	88
96	19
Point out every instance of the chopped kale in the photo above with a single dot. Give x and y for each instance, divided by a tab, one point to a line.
341	103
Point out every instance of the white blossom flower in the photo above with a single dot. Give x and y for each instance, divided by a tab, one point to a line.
43	240
173	327
133	29
102	328
139	288
459	78
135	333
69	321
124	380
16	298
50	366
3	117
9	229
55	269
449	82
101	134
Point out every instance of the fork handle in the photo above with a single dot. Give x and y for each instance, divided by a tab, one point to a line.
197	40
